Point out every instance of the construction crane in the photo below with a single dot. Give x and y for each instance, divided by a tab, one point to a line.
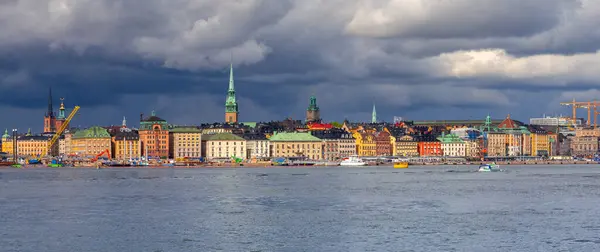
590	106
62	128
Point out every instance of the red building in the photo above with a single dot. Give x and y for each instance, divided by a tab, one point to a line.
430	148
383	145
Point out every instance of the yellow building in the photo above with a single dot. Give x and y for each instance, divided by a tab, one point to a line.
406	146
33	146
186	142
7	142
90	142
297	144
126	144
365	144
540	144
28	145
496	144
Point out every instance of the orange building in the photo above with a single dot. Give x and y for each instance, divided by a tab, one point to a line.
428	145
154	137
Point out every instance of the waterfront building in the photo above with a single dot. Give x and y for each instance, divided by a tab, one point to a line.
186	142
365	144
346	145
258	146
452	145
331	143
540	141
126	144
224	146
428	146
585	142
518	138
383	146
313	113
50	118
406	146
154	137
473	148
90	142
296	144
231	106
585	146
33	146
496	144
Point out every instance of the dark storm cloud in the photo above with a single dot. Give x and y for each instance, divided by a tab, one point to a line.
415	58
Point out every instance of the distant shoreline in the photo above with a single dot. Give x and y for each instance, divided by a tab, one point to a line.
564	163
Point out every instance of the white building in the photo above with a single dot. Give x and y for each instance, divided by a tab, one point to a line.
224	146
258	146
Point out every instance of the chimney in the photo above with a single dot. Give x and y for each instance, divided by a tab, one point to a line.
141	117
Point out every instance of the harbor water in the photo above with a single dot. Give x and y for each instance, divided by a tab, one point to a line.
424	208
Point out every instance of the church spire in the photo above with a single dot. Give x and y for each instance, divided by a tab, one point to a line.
231	84
374	115
124	122
231	106
50	112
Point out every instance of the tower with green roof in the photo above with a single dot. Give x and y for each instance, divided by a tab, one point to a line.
313	114
231	106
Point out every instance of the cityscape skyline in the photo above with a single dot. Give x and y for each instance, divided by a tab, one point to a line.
466	62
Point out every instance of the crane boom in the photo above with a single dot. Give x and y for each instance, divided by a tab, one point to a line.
63	127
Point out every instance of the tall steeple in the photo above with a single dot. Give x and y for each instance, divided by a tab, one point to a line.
231	106
50	112
374	115
124	122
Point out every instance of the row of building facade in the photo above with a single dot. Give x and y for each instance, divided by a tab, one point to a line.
155	138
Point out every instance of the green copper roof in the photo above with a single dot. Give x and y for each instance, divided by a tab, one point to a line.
5	134
374	115
450	138
250	124
225	137
312	106
93	132
231	103
185	130
294	137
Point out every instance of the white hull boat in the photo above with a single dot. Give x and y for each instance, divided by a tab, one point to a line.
353	161
489	168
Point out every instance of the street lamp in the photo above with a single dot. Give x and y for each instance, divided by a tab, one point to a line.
14	132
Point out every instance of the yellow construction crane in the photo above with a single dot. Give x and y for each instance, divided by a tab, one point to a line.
63	127
591	107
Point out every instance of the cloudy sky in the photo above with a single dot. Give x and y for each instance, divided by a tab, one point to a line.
419	59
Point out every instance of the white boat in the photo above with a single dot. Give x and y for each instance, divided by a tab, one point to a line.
489	168
353	160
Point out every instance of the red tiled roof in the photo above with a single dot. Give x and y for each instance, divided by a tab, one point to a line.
508	123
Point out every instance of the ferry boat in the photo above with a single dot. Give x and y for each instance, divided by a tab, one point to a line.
493	167
400	165
353	160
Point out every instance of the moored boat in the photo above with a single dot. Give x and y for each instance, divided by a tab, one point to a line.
400	165
353	160
493	167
